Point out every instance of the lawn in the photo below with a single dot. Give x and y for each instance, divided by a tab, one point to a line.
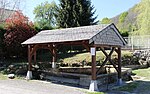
130	87
138	86
3	77
143	73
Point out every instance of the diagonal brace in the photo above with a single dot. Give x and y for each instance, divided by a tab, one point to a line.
108	58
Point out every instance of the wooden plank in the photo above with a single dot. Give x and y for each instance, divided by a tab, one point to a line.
105	45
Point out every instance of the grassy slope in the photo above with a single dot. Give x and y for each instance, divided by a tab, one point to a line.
87	57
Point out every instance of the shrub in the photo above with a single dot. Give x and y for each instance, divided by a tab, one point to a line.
18	29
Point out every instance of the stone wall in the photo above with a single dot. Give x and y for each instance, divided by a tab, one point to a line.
81	70
84	79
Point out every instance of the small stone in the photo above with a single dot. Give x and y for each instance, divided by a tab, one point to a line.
11	76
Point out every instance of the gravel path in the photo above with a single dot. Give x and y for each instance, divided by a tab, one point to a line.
36	87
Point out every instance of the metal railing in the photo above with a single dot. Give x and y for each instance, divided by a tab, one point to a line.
137	42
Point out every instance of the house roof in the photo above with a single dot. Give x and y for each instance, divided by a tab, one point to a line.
98	34
5	13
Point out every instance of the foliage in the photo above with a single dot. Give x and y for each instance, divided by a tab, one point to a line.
18	29
105	21
122	17
2	31
45	15
74	13
143	19
124	33
136	20
3	77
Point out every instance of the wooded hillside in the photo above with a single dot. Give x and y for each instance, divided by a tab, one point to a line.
135	21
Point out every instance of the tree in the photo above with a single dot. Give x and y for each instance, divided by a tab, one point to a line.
18	29
2	31
45	15
143	19
122	17
74	13
105	21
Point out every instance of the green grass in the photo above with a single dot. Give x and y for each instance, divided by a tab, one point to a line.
86	56
143	73
3	77
129	87
87	92
143	85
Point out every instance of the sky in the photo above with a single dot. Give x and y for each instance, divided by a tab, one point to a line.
104	8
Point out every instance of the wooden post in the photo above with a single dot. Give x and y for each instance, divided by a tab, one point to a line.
93	84
29	73
94	64
29	58
35	57
54	56
119	66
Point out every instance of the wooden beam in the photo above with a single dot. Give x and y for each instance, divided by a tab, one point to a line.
108	58
86	46
113	65
104	45
73	42
33	49
103	64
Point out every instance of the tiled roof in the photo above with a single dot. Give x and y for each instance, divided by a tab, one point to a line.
5	13
73	34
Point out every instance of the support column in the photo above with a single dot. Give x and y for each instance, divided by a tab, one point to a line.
54	56
93	84
35	57
119	82
29	73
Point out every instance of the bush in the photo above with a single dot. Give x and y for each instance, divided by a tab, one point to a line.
2	31
18	29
